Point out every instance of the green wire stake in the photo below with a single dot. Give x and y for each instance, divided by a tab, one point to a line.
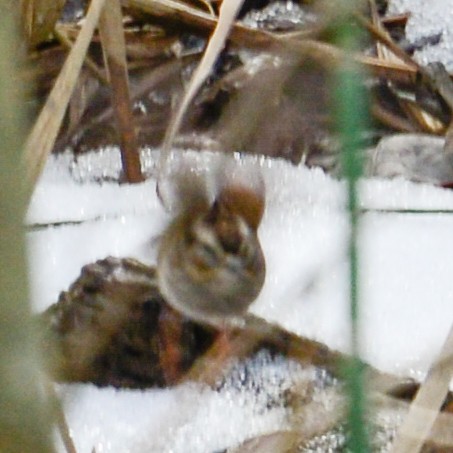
350	113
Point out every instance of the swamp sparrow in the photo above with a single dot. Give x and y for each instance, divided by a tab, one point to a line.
210	263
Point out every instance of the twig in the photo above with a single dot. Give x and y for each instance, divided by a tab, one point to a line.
45	130
114	47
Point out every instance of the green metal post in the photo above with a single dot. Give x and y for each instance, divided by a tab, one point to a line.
351	114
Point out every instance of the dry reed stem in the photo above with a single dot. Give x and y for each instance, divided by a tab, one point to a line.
114	48
425	408
42	137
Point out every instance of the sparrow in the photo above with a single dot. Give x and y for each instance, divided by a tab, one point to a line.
210	263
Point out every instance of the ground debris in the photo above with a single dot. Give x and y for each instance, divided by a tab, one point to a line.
107	330
275	49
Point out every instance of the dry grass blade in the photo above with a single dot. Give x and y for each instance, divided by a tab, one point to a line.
114	47
441	433
61	35
396	53
425	408
215	45
181	13
389	51
424	120
45	130
166	8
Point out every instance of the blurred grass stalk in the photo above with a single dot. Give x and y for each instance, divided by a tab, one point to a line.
350	111
24	424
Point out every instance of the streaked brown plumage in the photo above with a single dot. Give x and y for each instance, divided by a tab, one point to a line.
210	265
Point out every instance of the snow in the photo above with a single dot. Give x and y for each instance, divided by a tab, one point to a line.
181	419
405	270
428	18
279	16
